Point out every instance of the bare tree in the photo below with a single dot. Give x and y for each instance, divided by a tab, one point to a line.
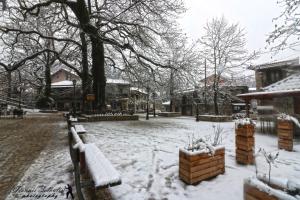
23	38
131	29
287	26
223	46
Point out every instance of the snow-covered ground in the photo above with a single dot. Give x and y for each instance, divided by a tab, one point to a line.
146	155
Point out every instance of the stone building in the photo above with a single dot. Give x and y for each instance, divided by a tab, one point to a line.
138	99
269	73
117	92
278	90
187	101
63	75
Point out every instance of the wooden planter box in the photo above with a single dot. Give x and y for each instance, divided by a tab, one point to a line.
195	167
285	131
245	130
284	124
245	143
255	189
244	157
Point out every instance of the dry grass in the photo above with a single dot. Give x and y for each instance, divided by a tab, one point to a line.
21	141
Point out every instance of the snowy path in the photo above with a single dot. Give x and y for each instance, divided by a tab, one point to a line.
146	154
49	174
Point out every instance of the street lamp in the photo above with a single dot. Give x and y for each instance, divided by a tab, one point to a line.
197	112
21	87
74	97
154	97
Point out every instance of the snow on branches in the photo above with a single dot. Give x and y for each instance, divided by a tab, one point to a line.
206	144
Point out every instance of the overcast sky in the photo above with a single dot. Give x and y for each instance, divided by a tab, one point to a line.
255	16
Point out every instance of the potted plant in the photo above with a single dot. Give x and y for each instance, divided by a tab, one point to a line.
244	140
202	159
265	187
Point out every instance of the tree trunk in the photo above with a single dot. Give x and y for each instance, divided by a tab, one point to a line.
9	89
47	92
99	79
216	102
85	72
215	85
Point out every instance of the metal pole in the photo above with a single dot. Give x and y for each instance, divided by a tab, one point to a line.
74	99
197	113
20	97
171	88
154	114
74	103
205	87
147	114
247	108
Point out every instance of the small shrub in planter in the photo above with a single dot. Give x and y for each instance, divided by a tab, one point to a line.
277	189
263	187
201	160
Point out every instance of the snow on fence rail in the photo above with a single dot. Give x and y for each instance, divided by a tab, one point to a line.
89	157
101	170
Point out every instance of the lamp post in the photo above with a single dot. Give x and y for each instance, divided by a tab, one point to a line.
20	97
154	97
197	112
21	87
74	97
147	114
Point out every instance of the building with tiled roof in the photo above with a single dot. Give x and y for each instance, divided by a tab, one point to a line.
282	96
269	73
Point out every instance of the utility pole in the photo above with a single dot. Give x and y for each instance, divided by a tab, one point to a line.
205	87
147	114
154	97
171	88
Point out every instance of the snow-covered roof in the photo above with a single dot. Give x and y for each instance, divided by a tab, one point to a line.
288	86
63	69
265	107
184	91
167	103
65	83
117	81
289	83
68	83
292	62
239	104
138	90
